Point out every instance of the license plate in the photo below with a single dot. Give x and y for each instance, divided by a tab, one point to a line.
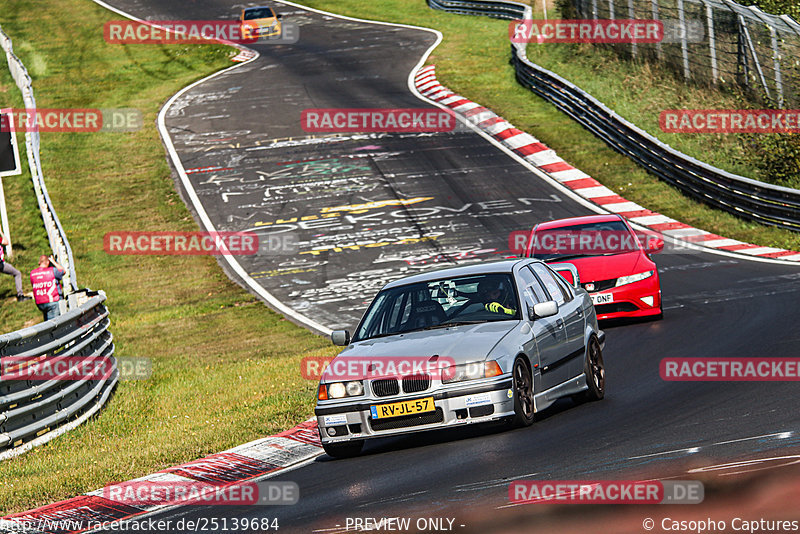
602	298
396	409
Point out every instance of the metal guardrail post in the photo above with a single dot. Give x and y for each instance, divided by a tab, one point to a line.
712	46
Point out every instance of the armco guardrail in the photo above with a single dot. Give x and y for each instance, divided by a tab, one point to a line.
55	233
34	411
498	10
749	199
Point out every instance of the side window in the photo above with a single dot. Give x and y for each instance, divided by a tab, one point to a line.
543	273
565	287
533	284
532	291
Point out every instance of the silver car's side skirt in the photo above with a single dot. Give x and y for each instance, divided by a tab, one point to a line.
570	387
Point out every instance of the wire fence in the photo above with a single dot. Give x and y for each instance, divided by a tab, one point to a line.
750	199
716	42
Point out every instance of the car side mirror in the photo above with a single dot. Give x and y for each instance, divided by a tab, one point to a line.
568	272
544	309
654	244
651	241
278	16
340	338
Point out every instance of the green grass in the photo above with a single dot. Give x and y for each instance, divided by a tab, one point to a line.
225	368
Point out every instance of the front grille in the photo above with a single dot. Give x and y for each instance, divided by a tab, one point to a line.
407	420
614	307
601	285
415	383
480	411
385	387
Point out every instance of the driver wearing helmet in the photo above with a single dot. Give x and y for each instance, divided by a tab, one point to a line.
494	295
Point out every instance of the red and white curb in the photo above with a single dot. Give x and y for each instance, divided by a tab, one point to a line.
545	159
259	459
245	54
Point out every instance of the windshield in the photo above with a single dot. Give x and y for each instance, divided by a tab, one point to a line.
260	13
594	239
440	303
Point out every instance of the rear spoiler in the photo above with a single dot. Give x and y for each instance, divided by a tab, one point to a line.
568	272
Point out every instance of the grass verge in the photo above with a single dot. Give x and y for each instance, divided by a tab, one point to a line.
226	369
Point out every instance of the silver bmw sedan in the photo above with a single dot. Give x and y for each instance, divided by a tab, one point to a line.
492	341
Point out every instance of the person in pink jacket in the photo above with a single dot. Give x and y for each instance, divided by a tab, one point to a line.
46	282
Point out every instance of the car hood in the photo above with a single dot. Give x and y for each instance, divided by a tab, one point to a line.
595	268
466	343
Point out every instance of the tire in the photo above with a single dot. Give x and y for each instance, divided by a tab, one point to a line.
523	395
595	373
347	449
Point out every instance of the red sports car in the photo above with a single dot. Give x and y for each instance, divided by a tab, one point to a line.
613	265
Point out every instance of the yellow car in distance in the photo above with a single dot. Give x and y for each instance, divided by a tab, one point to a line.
259	22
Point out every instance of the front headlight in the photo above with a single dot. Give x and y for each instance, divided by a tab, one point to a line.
622	280
470	371
339	390
355	388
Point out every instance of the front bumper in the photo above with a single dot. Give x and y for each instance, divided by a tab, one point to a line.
261	31
628	300
489	399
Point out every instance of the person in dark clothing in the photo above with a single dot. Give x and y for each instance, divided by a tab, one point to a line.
7	268
495	296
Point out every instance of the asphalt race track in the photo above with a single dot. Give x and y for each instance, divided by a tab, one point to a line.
427	198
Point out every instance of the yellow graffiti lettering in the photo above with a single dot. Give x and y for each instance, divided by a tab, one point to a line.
359	208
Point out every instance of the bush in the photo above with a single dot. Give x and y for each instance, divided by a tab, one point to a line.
777	157
780	7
